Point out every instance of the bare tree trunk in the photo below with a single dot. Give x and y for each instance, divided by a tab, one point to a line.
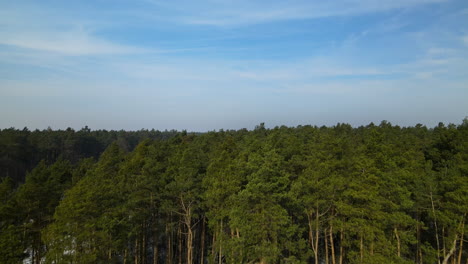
418	238
189	239
179	236
136	250
187	220
443	241
421	256
241	254
125	256
332	246
213	252
452	250
143	244
398	242
313	245
169	243
326	246
220	257
460	250
341	246
202	246
437	231
361	248
155	248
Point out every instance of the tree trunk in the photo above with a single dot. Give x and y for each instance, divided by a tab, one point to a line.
341	246
332	246
398	242
317	231
202	246
462	236
213	244
452	250
437	231
361	248
418	239
143	245
136	250
191	234
169	243
326	245
443	241
155	248
313	245
179	236
220	256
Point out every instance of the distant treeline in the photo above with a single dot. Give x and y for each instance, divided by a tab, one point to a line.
306	194
21	150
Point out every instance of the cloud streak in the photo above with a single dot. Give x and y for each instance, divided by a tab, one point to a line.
243	12
73	43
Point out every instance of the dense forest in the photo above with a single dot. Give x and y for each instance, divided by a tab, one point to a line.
370	194
22	150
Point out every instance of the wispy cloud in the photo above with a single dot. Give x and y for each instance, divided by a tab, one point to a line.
54	30
465	40
243	12
74	42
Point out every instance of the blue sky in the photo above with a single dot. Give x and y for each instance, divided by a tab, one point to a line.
205	65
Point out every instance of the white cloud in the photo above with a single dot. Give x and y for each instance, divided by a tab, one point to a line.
465	40
75	42
243	12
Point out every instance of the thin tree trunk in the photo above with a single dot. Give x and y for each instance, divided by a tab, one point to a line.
179	236
443	241
332	246
421	256
169	243
220	257
326	246
189	242
452	250
125	256
143	244
241	254
418	238
213	252
136	250
437	232
341	246
460	250
361	248
155	248
311	238
316	233
202	242
398	242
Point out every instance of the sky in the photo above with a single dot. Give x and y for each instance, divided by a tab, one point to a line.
231	64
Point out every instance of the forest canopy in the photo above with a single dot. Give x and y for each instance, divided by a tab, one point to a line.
306	194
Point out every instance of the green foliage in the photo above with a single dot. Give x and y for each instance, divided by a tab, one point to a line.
373	194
